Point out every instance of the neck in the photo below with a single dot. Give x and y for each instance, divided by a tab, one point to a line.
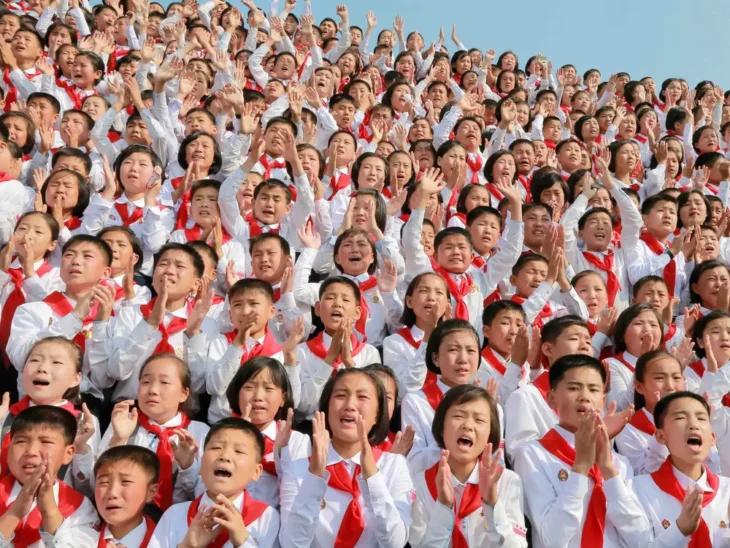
259	334
567	427
118	272
232	495
163	417
505	355
355	274
261	426
461	470
345	449
76	293
421	324
176	304
123	529
133	197
68	213
25	64
624	177
661	239
693	470
447	382
596	248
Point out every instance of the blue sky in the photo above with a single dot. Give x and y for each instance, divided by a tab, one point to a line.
687	38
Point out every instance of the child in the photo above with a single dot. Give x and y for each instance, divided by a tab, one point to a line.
336	347
126	255
127	479
15	197
639	329
232	455
251	310
488	507
710	336
36	508
161	422
485	227
26	275
452	259
324	500
426	304
66	192
52	376
527	412
261	393
683	500
171	322
505	345
85	264
573	482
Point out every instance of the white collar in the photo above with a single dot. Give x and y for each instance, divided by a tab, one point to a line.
270	431
649	416
417	333
442	386
134	538
16	263
567	436
208	502
686	481
181	312
473	478
333	457
360	278
136	203
174	421
630	358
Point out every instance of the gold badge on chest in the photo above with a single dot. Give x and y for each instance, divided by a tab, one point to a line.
376	298
563	475
88	334
475	289
323	505
179	351
666	523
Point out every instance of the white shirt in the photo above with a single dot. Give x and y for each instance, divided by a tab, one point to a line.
316	372
133	539
76	531
134	340
641	261
15	199
171	529
501	525
663	510
558	499
408	363
35	287
528	417
312	511
417	412
622	381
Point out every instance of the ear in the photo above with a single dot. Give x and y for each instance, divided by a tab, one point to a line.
513	279
639	387
551	399
272	312
76	380
485	331
659	435
68	454
694	287
547	350
184	395
316	309
151	492
257	472
288	209
53	245
358	313
135	259
98	74
106	272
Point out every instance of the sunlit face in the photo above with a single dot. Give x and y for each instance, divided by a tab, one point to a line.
161	390
265	397
662	376
597	232
454	253
355	255
135	172
83	73
662	219
50	371
336	304
645	326
29	449
201	151
554	196
687	431
708	141
466	430
509	62
502	332
580	391
570	156
121	490
592	291
529	278
458	358
176	269
694	210
372	173
524	156
485	232
537	224
33	231
479	196
352	396
122	251
9	24
709	284
75	124
271	204
83	265
230	462
95	106
575	339
268	261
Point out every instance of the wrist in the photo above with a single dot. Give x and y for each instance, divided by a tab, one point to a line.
116	441
581	468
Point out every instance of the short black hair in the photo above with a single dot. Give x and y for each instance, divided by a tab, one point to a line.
273	183
332	280
264	236
46	416
652	201
72	153
555	327
97	242
131	236
205	250
193	255
448	232
573	361
379	431
590	213
249	370
466	393
251	284
525	259
478	211
195	135
234	423
662	407
55	105
131	454
439	334
698	330
490	312
382	369
647	280
349	233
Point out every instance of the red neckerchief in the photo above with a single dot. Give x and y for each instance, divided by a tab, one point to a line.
641	138
546	311
699	368
471	501
478	261
14	300
493	297
364	132
641	422
475	164
270	165
339	183
671	331
316	347
620	357
255	226
127	219
268	348
251	510
73	223
269	465
28	531
407	335
386	446
432	391
493	360
460	216
183	212
165	454
494	191
665	480
176	325
595	520
14	409
193	234
61	306
353	523
552	145
367	285
542	383
145	541
525	182
11	96
458	290
656	247
404	217
4	177
74	92
605	264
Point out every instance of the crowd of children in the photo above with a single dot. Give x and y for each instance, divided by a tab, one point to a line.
267	282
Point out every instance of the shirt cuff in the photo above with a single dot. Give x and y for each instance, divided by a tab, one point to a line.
615	489
575	486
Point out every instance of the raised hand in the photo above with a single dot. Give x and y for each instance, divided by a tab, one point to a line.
185	448
124	421
283	432
614	421
403	442
585	444
490	472
689	518
320	445
367	458
444	486
388	277
158	309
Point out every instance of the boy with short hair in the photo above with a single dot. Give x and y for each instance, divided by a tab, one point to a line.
252	307
126	481
232	456
683	500
168	323
35	508
653	254
574	484
76	313
336	347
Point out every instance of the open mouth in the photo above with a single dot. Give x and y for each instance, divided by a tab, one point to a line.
464	442
113	507
694	441
222	473
348	420
41	382
337	314
583	409
30	468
